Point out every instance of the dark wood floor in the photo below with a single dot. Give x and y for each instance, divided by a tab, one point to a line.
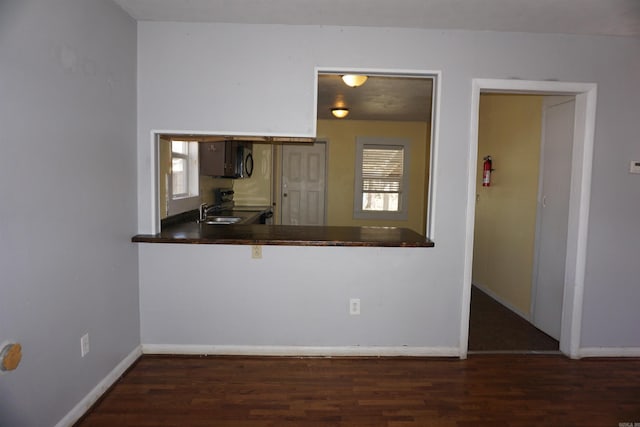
493	327
484	390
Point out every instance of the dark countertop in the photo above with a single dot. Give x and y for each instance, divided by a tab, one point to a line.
249	214
291	235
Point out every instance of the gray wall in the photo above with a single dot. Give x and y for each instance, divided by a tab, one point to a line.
240	76
68	209
68	203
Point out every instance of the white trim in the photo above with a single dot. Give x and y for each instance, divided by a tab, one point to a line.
92	397
582	164
581	168
385	72
250	350
155	182
470	216
191	132
520	352
433	166
609	352
503	302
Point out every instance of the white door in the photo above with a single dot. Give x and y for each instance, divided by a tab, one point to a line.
303	184
553	214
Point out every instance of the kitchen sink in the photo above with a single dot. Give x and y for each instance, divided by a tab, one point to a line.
221	220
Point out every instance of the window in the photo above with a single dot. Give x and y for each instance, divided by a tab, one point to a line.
382	172
184	169
180	173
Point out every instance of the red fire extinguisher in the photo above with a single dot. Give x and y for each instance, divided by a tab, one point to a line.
486	172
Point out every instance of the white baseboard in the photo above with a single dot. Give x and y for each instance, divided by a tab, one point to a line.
503	302
83	406
249	350
609	352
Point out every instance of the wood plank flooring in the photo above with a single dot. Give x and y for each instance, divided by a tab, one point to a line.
484	390
493	327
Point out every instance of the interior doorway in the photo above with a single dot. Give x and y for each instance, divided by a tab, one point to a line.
521	222
579	193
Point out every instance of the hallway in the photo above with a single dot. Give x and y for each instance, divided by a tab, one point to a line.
495	328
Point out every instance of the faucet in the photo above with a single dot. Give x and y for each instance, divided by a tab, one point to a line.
203	212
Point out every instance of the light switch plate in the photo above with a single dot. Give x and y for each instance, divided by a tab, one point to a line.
84	345
634	167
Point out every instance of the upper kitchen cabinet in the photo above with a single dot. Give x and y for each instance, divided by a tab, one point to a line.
212	158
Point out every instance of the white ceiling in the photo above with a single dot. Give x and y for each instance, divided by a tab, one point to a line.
395	99
596	17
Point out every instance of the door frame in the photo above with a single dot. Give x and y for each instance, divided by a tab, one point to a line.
580	194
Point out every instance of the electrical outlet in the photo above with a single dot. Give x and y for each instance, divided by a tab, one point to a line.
256	251
354	306
84	345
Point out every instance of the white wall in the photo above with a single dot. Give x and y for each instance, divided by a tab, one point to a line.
68	202
234	78
229	299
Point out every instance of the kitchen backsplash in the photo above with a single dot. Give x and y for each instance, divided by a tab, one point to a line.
207	184
256	190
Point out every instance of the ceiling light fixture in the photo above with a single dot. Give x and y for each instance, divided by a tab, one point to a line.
354	80
340	113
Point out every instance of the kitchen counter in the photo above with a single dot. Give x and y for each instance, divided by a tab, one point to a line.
291	235
249	215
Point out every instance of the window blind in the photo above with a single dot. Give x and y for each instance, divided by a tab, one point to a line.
382	169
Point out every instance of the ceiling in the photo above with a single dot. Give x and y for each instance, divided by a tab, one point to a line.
595	17
401	98
379	98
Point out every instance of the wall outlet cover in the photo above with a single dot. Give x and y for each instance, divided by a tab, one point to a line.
256	251
354	306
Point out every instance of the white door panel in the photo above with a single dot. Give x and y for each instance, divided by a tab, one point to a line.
303	184
553	214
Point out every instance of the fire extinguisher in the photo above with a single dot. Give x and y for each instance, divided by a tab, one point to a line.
486	172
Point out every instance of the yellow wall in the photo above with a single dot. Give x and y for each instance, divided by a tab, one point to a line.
509	131
207	184
256	190
341	159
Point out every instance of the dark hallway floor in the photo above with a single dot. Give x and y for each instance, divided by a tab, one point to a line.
493	327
